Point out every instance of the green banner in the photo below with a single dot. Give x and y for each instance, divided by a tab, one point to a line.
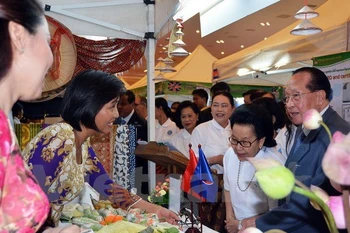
186	88
331	59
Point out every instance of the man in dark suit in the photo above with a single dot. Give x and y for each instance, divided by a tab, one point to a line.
127	115
309	88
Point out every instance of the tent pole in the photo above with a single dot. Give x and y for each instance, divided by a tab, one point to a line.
150	56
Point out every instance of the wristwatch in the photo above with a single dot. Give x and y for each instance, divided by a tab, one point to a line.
239	224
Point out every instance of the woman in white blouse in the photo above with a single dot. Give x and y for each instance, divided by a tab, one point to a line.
252	136
165	128
213	137
186	118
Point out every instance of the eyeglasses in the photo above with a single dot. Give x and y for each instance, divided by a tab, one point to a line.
295	97
246	144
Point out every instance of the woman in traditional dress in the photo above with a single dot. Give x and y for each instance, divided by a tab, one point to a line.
62	157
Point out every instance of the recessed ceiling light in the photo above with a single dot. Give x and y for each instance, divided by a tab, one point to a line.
222	52
265	38
164	48
218	41
262	24
197	31
267	23
189	53
242	46
221	41
145	71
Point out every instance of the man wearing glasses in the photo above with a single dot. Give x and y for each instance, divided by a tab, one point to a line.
308	88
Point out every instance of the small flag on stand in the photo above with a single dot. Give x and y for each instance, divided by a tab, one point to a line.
202	181
187	176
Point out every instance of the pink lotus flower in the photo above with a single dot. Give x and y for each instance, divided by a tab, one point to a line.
336	161
335	204
312	119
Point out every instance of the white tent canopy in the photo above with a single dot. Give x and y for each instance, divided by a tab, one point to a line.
197	68
127	19
284	52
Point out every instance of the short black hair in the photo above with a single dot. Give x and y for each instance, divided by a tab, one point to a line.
130	95
85	96
259	118
274	108
227	94
250	91
318	80
161	102
182	105
17	108
259	94
202	93
220	86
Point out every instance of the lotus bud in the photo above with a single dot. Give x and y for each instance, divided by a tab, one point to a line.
276	182
262	164
312	119
335	204
321	194
336	160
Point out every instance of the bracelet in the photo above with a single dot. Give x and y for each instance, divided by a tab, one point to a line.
239	224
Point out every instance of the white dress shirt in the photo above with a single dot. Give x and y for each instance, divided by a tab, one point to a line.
164	132
214	140
181	141
252	201
281	140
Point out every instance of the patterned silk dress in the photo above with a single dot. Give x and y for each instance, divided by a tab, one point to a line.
52	157
23	205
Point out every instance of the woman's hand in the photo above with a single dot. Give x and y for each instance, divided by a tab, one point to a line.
231	225
168	215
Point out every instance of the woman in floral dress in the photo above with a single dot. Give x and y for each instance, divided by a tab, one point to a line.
25	58
61	155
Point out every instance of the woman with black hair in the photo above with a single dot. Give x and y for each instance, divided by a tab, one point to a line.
62	157
186	118
165	127
252	136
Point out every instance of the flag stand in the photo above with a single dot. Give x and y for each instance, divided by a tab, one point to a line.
193	229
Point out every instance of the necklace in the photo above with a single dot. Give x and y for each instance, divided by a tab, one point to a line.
239	172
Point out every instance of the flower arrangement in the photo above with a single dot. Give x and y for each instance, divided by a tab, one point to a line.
277	181
160	195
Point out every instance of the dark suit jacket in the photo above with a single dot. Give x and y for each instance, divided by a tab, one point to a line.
295	214
205	115
140	124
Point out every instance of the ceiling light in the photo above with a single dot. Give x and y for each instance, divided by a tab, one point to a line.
218	41
179	52
265	38
159	77
197	31
267	23
164	48
168	60
305	28
262	24
179	42
242	46
306	13
221	41
145	71
222	53
166	69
